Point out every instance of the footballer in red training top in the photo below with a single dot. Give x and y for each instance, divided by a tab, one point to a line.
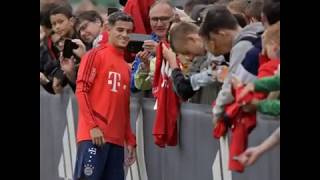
103	95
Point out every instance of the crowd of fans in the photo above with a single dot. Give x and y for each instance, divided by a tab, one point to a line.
222	53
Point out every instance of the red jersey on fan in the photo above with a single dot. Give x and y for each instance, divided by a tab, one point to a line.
103	93
167	103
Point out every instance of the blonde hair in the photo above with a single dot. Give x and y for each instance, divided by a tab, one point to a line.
179	32
272	34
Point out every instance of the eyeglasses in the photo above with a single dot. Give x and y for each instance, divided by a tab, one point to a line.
82	26
164	19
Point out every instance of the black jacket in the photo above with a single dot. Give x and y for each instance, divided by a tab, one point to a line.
181	84
48	65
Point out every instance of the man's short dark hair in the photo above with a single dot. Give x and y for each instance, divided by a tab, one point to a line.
218	17
272	12
197	13
254	9
119	16
190	4
241	20
123	2
65	9
179	32
91	16
45	14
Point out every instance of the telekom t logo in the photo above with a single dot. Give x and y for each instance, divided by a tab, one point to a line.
114	80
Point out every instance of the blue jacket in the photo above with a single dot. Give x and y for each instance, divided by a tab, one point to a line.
136	64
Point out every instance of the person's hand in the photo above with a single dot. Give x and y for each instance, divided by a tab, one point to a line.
56	85
131	157
43	79
144	56
236	83
253	20
67	65
97	136
222	73
170	56
248	88
250	107
150	45
81	50
213	66
249	157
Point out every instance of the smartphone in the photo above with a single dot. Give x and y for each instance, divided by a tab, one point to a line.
112	10
68	47
136	42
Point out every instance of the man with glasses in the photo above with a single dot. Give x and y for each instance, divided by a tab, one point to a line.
89	25
161	15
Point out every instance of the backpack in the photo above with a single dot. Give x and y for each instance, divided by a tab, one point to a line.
252	64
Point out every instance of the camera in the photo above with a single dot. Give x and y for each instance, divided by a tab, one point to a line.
68	47
136	42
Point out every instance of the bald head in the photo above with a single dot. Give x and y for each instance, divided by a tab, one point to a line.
161	15
162	2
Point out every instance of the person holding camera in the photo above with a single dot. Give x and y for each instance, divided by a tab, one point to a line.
68	60
161	15
70	47
48	61
89	25
62	21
